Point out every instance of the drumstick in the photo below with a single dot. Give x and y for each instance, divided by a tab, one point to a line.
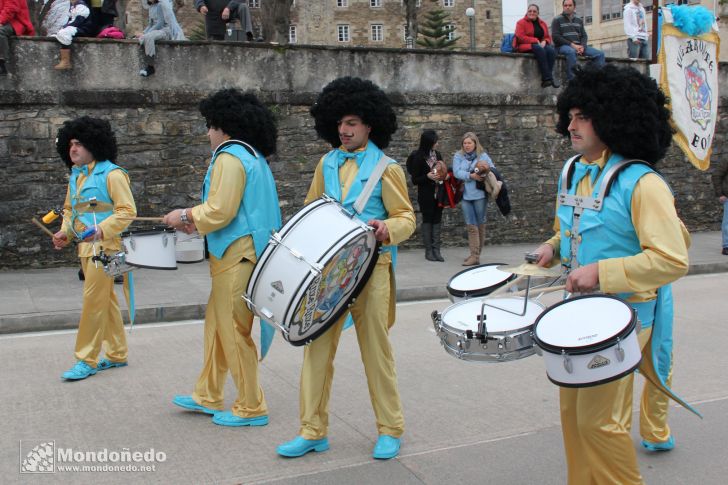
127	218
42	227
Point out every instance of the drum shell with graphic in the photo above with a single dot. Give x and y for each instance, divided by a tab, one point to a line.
150	248
510	334
323	233
588	340
477	281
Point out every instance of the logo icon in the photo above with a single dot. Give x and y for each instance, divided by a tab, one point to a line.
41	459
278	286
598	361
698	94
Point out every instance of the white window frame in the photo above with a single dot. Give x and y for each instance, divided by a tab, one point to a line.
343	33
342	3
292	34
448	3
372	29
254	3
375	3
450	31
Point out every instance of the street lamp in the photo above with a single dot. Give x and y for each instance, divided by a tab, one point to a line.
470	14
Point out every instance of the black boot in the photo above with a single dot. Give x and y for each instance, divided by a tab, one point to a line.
436	230
427	240
3	69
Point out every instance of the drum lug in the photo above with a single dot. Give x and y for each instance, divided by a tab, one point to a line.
619	351
568	366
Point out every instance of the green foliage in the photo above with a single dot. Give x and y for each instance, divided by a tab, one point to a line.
198	31
433	31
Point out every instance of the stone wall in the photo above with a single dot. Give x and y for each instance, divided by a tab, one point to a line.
163	145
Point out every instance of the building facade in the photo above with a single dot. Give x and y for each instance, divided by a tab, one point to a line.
357	23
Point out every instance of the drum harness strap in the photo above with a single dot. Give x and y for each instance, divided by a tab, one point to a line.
359	205
580	203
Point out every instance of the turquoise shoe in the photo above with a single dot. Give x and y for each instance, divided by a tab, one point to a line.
387	447
188	403
104	364
664	446
79	371
227	418
299	446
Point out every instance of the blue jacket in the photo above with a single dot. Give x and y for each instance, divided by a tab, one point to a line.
94	186
462	168
259	212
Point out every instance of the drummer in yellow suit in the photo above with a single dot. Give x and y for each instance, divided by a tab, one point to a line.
239	210
633	247
356	116
88	147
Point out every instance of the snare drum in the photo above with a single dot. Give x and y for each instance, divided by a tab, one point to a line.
477	281
150	248
311	270
189	248
588	340
506	335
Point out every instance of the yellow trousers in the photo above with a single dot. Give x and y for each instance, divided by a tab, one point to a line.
373	313
596	424
101	324
653	409
228	344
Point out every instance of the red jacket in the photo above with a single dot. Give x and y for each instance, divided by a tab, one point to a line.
15	13
524	34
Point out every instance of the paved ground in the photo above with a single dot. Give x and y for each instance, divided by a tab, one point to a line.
51	299
466	423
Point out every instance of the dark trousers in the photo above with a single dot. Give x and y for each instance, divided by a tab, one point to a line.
6	31
431	212
545	56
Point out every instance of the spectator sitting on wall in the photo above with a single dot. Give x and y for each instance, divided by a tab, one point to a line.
532	35
80	24
103	12
570	38
14	20
219	12
163	25
56	18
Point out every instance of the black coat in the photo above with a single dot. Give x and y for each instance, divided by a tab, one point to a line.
418	169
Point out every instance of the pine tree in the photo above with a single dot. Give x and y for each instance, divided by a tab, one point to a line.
433	31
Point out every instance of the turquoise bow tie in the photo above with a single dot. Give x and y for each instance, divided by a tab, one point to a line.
342	156
78	170
582	169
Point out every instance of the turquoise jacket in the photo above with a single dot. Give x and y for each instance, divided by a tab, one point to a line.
259	213
93	187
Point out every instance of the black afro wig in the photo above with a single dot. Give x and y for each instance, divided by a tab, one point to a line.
94	134
242	117
359	97
627	109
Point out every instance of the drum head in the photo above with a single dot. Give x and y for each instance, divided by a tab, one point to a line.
343	277
478	281
464	315
583	323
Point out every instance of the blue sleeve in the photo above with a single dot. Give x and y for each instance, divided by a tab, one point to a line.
461	167
484	157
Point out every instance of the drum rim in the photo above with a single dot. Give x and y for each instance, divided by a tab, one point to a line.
480	292
590	348
344	307
153	230
144	266
600	381
459	331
